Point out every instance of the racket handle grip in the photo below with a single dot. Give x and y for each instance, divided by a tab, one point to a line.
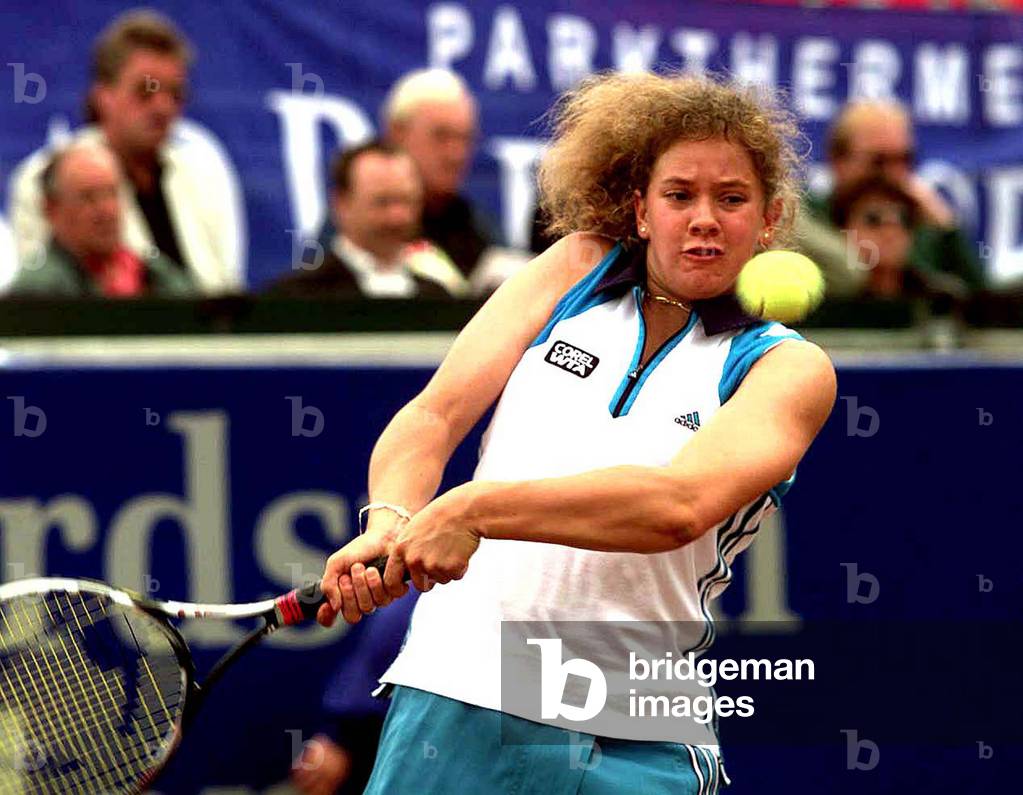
302	604
380	564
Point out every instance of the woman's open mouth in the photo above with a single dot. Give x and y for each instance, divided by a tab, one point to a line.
703	253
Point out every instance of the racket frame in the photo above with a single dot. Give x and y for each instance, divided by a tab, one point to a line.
291	608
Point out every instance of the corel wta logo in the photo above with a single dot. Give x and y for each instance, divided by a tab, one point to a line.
570	358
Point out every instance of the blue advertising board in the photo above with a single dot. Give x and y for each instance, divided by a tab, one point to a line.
223	483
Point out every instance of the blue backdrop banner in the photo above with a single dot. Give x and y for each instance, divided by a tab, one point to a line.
231	484
279	86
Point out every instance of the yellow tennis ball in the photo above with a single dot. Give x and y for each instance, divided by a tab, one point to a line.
780	285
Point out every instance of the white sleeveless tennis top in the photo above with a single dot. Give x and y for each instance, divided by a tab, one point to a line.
578	401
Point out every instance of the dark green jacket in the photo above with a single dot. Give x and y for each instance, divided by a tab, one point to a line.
933	250
60	276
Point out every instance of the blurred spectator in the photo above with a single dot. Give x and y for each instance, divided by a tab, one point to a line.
340	757
85	255
881	216
176	197
875	138
432	115
377	201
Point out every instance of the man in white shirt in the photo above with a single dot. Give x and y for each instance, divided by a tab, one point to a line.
377	200
178	197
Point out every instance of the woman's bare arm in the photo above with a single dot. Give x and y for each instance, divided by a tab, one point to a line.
409	458
752	443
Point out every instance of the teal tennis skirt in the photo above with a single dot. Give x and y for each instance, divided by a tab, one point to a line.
436	745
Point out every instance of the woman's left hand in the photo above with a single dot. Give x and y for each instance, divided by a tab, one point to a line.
436	545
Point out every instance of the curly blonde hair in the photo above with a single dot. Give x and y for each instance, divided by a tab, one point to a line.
609	131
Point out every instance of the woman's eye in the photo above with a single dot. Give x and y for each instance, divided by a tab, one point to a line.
735	199
678	195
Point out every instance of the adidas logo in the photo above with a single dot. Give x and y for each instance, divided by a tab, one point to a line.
690	421
574	360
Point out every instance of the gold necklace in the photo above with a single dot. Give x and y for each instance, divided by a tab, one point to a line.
663	299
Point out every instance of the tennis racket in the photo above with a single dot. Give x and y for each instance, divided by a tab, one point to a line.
97	687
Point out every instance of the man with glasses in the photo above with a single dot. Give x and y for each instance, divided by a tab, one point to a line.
177	196
874	140
432	115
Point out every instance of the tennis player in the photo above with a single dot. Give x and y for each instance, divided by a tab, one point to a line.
644	427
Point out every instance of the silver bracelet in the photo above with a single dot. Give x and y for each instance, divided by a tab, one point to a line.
402	512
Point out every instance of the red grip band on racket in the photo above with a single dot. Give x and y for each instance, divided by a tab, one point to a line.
290	609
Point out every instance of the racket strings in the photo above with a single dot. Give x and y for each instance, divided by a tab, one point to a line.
40	693
37	673
90	694
91	710
45	702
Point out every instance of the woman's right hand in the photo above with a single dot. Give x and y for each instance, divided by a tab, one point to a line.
351	588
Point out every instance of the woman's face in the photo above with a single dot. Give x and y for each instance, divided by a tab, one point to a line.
702	215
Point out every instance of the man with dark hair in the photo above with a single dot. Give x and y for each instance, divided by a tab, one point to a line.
377	203
178	196
85	256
